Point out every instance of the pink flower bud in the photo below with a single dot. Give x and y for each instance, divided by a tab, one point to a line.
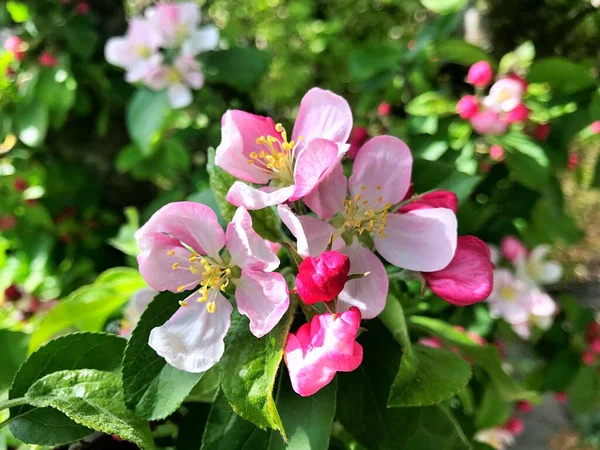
542	132
595	127
515	426
435	199
358	137
496	153
524	406
321	348
15	45
321	279
82	8
561	397
7	223
384	109
588	358
20	184
573	161
512	248
433	342
488	122
519	114
593	329
480	74
47	59
10	72
12	293
467	106
468	278
595	346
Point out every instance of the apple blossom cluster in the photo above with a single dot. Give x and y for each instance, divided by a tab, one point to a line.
517	295
20	50
355	223
159	50
503	105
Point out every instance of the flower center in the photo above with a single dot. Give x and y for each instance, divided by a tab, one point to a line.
508	293
214	276
532	269
278	156
360	215
143	51
173	76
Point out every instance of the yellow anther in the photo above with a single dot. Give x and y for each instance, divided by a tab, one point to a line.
365	202
193	270
250	161
379	199
228	271
211	307
171	252
183	303
357	197
378	187
193	258
363	188
175	266
222	288
180	288
253	155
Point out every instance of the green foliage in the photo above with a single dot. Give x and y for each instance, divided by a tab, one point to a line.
14	345
461	52
145	117
240	68
153	388
220	182
92	398
563	76
443	6
431	103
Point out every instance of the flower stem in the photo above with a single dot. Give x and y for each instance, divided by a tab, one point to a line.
13	402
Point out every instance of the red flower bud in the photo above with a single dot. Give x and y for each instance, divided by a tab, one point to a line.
595	346
12	293
384	109
7	223
595	127
20	184
82	8
588	358
542	132
358	137
524	406
322	279
496	153
467	106
47	59
480	74
573	161
515	426
561	397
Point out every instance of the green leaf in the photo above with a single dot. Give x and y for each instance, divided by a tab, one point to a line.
371	60
153	388
428	376
493	411
267	224
125	240
443	6
527	160
583	391
14	352
91	398
31	121
431	104
220	182
88	308
428	175
564	77
145	115
18	11
438	429
74	351
484	356
248	370
240	68
595	106
461	52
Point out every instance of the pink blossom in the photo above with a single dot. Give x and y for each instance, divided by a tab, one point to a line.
595	127
509	298
504	95
467	106
541	310
519	114
47	59
185	74
512	248
273	246
468	278
183	246
16	46
515	425
542	132
536	269
384	109
488	122
136	52
522	81
256	150
419	240
498	438
358	137
480	74
496	153
321	279
321	348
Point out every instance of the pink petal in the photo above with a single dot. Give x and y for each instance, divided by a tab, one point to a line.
328	198
468	278
423	240
322	114
247	248
192	339
263	298
192	223
239	131
381	171
435	199
241	194
117	52
179	96
313	164
368	294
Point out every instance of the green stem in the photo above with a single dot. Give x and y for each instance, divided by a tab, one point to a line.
393	318
13	402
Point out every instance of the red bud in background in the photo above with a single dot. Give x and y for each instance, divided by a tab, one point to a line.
12	293
515	426
384	109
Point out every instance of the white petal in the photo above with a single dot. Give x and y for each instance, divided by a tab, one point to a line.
180	96
202	40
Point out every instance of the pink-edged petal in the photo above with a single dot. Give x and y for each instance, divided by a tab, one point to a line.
156	262
328	198
313	164
247	248
263	298
381	171
192	223
239	132
436	199
369	293
423	240
322	114
312	234
468	278
241	194
192	339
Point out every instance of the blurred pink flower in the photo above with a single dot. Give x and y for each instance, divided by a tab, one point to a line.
467	106
480	74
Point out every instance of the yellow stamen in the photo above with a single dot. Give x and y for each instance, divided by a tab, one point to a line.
183	303
175	266
171	252
211	307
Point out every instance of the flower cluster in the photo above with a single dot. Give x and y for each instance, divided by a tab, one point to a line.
159	50
341	279
503	105
517	296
